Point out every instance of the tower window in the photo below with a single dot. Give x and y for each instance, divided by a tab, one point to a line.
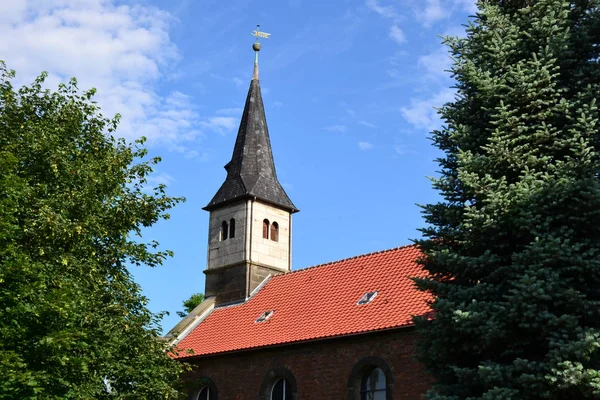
265	229
231	228
275	232
224	230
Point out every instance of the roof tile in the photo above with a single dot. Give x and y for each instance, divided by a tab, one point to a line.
318	302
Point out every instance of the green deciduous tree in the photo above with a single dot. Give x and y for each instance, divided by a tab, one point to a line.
190	304
513	247
73	201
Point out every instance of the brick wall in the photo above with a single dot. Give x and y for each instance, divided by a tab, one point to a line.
322	369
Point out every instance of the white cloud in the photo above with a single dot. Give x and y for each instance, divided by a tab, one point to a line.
204	156
427	12
456	30
191	154
230	111
385	11
336	128
437	10
221	125
367	124
365	145
436	63
154	180
432	12
422	113
388	12
401	150
239	82
160	179
469	6
397	35
122	50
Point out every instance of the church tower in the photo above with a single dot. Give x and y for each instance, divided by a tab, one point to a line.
250	228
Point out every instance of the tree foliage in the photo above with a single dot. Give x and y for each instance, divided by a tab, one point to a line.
191	303
513	247
73	201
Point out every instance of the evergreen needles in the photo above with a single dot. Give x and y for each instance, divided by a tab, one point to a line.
513	248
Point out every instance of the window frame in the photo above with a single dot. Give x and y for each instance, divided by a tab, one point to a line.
286	388
364	390
363	367
201	383
232	228
274	231
200	392
272	377
224	231
266	228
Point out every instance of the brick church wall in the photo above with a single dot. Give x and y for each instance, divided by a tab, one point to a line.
322	369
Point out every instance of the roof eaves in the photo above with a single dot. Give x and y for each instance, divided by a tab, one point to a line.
247	196
291	343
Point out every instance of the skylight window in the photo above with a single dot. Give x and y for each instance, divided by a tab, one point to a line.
367	298
265	316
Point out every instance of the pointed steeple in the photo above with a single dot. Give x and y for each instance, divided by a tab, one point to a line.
251	171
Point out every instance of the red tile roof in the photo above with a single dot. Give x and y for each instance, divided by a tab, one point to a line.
317	302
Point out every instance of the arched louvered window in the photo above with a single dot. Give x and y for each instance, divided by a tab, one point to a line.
224	230
265	229
232	228
275	232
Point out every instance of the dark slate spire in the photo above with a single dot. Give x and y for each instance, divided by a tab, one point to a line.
251	171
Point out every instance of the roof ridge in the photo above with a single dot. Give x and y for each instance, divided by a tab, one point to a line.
342	260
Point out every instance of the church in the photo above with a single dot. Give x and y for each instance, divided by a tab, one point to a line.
341	330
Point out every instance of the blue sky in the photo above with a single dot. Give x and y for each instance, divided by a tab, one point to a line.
349	88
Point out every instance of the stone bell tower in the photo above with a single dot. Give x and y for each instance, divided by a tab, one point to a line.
250	228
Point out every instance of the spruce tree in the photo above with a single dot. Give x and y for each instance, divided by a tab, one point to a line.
513	246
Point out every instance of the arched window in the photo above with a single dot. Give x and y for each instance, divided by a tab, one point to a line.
224	230
371	379
275	232
281	390
372	385
265	229
205	394
232	228
203	389
278	384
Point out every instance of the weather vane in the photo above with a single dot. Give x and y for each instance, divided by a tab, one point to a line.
256	48
260	34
